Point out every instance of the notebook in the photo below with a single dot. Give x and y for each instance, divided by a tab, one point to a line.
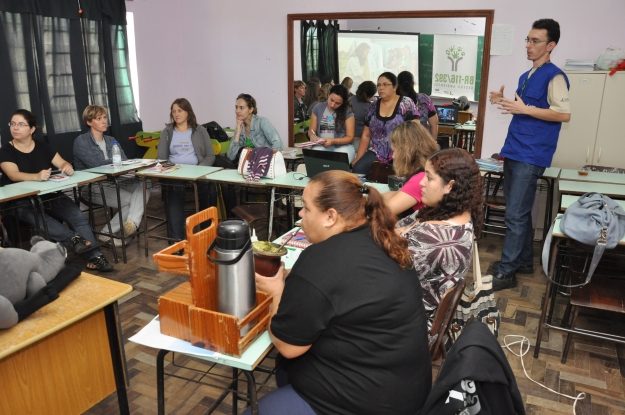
447	115
317	161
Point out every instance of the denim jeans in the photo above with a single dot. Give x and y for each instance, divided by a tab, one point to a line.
363	165
174	192
59	208
284	401
131	202
520	180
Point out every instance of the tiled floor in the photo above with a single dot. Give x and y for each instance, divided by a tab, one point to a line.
594	367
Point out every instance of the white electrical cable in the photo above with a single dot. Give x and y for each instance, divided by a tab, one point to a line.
522	353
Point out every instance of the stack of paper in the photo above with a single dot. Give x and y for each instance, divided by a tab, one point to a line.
311	143
298	241
579	65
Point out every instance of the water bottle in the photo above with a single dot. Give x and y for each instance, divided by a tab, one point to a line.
117	156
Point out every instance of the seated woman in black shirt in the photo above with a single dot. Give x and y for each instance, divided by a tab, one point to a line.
25	159
349	317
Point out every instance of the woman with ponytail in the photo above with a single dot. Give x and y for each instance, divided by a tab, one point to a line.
427	112
349	318
440	235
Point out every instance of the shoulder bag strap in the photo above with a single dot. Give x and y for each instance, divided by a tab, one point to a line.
245	160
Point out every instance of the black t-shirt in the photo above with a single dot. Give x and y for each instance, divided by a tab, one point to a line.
364	316
35	161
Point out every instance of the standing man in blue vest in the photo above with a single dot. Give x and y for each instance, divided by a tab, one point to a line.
539	107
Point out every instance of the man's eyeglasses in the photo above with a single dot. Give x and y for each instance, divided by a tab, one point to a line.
535	41
21	124
384	85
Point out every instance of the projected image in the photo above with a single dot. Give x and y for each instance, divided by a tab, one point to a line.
363	56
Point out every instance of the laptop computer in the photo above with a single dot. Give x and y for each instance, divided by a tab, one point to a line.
447	115
317	161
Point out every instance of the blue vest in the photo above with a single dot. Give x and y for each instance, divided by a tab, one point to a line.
529	139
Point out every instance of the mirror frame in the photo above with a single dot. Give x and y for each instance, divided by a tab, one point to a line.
488	14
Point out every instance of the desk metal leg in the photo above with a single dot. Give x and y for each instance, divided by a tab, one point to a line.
235	390
160	381
197	199
543	314
272	200
43	215
118	364
145	216
108	221
251	390
122	234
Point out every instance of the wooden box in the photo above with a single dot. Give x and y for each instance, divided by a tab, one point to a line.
189	311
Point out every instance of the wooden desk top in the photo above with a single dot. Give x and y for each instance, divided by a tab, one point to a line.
557	231
567	200
84	296
579	188
109	170
185	172
151	336
551	173
593	177
13	191
232	176
79	178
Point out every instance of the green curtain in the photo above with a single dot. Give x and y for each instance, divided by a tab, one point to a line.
319	49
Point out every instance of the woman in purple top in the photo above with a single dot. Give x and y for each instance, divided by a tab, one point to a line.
427	112
390	110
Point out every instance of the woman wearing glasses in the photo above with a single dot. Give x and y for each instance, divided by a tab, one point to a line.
390	110
26	159
251	128
333	121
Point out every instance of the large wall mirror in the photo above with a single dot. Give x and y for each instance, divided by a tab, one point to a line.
426	23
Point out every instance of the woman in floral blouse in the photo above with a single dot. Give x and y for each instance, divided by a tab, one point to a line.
390	110
440	235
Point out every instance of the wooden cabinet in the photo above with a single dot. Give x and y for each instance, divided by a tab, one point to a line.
594	134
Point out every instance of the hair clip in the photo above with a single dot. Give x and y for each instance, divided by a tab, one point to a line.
364	189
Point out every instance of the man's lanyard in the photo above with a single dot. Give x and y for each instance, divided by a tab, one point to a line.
528	77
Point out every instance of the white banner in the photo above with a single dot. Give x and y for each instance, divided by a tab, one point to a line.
454	65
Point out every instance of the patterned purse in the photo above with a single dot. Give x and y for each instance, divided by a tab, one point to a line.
477	302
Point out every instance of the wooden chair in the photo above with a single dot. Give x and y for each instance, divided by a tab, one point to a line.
494	205
442	318
380	171
604	293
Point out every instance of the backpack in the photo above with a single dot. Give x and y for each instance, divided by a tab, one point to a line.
215	131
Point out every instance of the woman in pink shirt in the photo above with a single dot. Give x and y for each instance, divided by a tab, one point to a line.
412	144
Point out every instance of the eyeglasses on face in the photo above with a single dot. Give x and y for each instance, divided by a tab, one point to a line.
534	41
384	85
21	124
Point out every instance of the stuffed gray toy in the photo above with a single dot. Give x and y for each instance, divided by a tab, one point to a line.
25	275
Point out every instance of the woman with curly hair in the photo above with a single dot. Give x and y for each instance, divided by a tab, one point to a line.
350	312
412	145
333	121
440	235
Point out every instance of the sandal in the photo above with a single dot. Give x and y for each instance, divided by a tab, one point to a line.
80	244
99	263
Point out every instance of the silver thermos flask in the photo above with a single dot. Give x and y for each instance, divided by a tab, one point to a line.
235	269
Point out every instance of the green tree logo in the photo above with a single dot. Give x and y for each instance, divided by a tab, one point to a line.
455	56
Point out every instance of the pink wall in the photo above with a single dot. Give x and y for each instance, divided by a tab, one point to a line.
209	51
